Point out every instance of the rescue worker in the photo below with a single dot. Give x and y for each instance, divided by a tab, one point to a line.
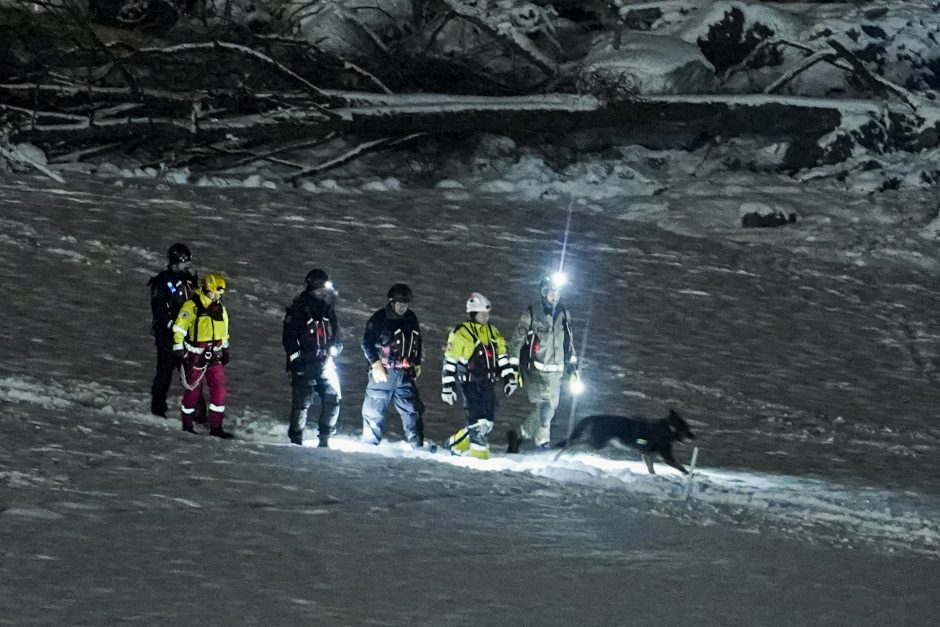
200	341
476	357
168	291
542	348
311	339
392	345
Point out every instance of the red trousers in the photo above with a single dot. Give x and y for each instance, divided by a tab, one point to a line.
214	378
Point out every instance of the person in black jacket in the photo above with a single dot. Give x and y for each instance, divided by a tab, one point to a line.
168	291
392	344
311	340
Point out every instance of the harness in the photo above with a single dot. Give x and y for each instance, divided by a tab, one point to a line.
531	346
319	334
482	364
402	350
202	354
211	348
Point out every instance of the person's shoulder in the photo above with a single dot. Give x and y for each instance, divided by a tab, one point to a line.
295	305
158	279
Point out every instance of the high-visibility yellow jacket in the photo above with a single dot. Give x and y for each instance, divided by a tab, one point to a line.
200	324
475	352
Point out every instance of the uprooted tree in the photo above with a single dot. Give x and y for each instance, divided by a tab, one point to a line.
220	83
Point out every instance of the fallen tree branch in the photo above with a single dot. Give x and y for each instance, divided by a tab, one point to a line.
78	155
805	64
510	36
347	65
876	82
280	67
349	155
284	148
14	155
368	32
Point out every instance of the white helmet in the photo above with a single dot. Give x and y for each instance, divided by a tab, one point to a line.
478	302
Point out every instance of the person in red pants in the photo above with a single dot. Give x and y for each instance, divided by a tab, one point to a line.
200	341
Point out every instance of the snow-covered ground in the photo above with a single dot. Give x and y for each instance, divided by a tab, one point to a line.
804	354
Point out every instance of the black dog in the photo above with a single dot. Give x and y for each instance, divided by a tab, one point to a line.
646	436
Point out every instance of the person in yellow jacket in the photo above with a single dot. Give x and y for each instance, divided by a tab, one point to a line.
476	358
200	341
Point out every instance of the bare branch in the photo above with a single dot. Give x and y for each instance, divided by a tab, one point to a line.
510	36
249	52
350	155
789	75
878	83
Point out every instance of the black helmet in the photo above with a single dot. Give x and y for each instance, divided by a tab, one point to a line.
317	278
178	252
400	293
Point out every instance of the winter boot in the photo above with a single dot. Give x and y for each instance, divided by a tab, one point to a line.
219	433
296	437
479	447
189	429
512	438
324	442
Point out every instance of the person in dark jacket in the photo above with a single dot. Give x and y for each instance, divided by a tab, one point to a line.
392	345
168	291
311	339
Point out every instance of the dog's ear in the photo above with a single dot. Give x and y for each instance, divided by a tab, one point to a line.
673	415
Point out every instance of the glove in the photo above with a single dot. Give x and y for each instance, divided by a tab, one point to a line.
225	356
449	396
378	372
180	355
417	371
510	385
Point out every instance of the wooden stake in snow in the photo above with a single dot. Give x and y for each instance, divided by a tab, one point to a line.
688	485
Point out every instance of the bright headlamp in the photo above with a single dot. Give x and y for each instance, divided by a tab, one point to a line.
559	280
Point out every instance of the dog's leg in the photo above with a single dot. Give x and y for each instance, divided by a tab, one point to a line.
669	459
649	463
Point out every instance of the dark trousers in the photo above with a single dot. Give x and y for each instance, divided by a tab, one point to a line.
316	381
166	368
479	401
401	390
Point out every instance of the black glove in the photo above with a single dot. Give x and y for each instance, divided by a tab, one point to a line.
225	356
180	355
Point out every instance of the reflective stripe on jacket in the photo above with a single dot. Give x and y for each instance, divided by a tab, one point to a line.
555	346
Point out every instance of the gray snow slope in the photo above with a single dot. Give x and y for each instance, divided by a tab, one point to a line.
804	354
